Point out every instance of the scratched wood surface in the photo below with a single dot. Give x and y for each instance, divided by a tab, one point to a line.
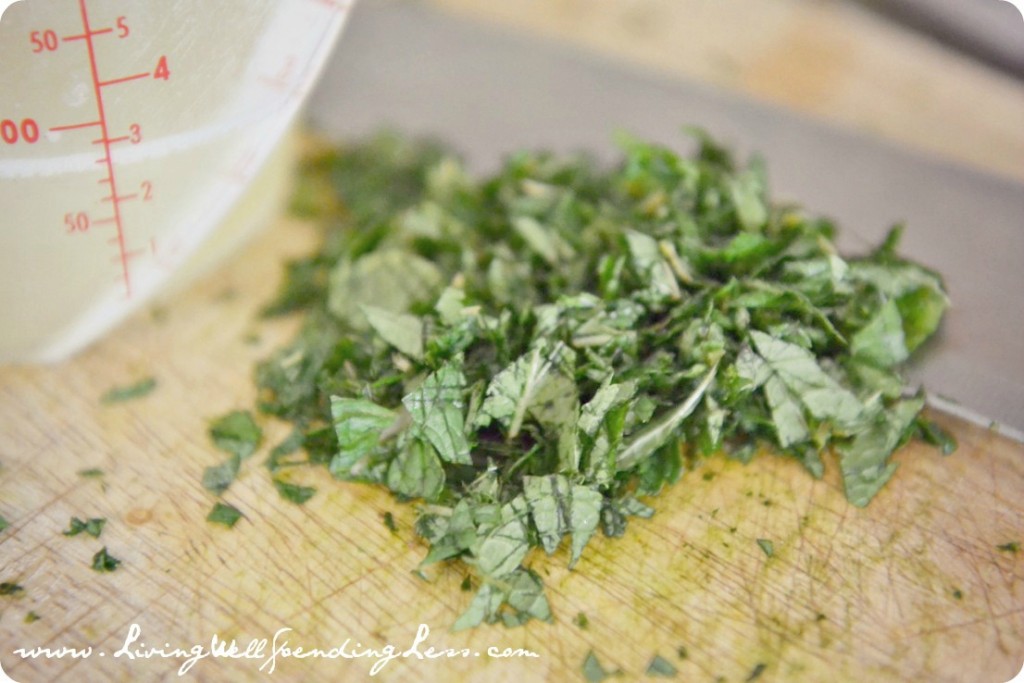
912	588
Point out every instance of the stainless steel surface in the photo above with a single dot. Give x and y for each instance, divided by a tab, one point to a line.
989	30
488	92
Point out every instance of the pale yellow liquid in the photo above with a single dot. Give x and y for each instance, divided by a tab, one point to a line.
194	182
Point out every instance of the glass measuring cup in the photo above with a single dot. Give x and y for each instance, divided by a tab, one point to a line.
128	131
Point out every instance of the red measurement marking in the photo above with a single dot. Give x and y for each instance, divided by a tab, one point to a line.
115	81
276	82
334	4
241	171
164	256
279	81
110	141
108	160
119	198
75	126
135	253
87	35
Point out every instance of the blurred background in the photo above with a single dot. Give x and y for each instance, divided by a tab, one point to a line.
945	77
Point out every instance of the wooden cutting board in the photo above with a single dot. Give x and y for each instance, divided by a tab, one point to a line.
912	588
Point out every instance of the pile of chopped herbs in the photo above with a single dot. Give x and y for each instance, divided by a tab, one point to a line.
532	354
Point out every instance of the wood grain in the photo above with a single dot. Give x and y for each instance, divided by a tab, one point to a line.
848	595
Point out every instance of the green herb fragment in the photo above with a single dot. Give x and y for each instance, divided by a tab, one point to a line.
389	522
237	433
864	460
93	526
756	672
91	473
104	562
293	492
217	478
582	621
359	425
3	523
1011	547
514	600
9	588
767	546
592	669
932	433
958	594
129	392
533	354
291	444
32	617
661	668
416	472
437	410
225	514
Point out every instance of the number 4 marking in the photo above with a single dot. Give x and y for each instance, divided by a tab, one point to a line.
161	70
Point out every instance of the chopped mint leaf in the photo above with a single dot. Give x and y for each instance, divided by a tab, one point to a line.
537	354
236	433
484	607
503	548
932	433
129	391
559	508
767	546
102	561
217	478
93	527
293	492
801	377
512	390
225	514
881	341
10	588
359	425
291	444
864	460
437	409
592	669
756	672
416	472
400	330
661	668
